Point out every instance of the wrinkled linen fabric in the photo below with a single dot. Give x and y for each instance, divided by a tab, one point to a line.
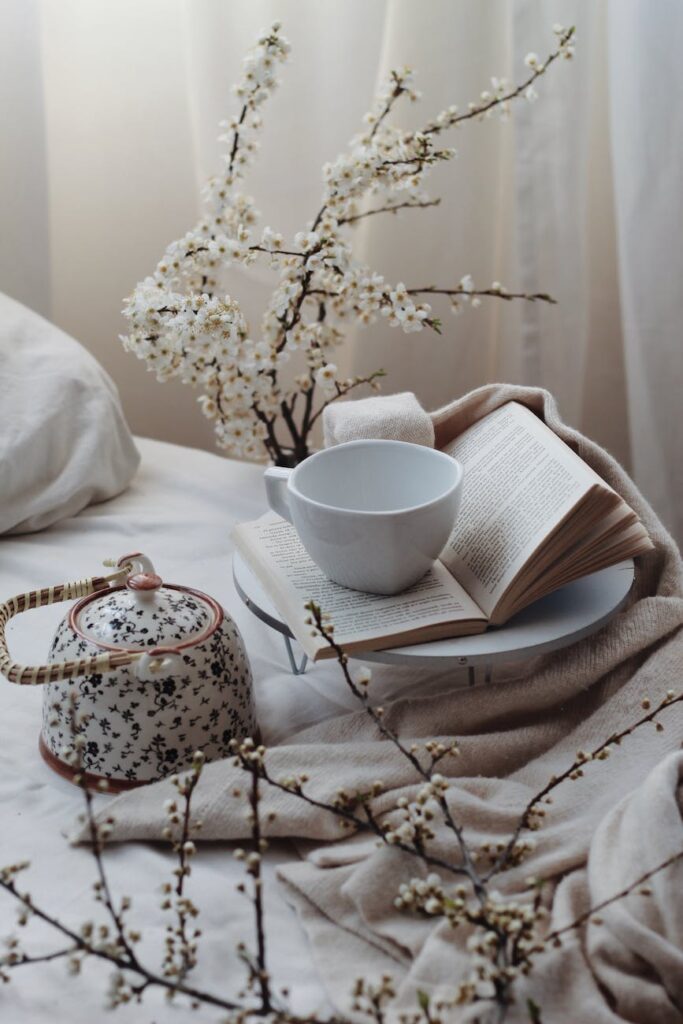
601	833
64	441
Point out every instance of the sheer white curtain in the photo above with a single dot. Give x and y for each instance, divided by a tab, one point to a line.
24	241
646	121
109	111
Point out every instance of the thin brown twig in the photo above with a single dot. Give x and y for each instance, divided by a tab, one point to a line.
496	293
279	252
418	205
598	753
290	320
397	91
236	137
25	958
622	894
96	835
262	974
478	110
367	824
343	390
121	962
467	866
187	961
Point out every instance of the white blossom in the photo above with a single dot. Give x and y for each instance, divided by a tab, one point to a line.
183	323
326	377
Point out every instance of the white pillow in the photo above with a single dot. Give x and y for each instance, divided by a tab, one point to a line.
64	442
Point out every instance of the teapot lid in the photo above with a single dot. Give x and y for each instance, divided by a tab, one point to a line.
145	612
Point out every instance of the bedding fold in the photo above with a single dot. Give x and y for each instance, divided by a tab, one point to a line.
64	442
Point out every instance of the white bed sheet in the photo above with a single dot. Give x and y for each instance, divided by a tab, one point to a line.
179	510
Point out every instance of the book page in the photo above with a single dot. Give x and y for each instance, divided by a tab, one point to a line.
291	578
520	482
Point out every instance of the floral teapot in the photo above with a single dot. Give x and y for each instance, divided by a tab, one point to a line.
161	669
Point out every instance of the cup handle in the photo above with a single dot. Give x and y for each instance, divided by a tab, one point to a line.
276	491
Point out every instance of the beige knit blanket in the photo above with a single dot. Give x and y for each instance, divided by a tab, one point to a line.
601	833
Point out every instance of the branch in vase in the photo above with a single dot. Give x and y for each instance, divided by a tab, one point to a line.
236	138
496	291
488	103
501	100
344	389
270	442
399	89
174	329
308	405
278	251
299	442
288	322
390	208
255	86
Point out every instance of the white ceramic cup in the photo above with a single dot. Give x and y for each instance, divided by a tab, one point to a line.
373	515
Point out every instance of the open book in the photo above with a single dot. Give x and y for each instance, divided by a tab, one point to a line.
533	517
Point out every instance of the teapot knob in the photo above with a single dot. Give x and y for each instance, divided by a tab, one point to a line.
144	581
142	575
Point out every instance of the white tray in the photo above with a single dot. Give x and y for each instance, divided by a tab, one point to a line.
558	620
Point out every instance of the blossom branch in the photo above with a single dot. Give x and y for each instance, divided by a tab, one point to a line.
391	208
399	81
343	808
89	948
183	324
123	944
14	960
236	138
86	943
345	389
533	812
425	156
506	935
437	784
495	291
181	947
590	915
504	97
259	974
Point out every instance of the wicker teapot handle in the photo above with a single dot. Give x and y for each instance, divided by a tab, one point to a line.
36	674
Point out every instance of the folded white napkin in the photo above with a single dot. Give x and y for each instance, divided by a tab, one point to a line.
397	417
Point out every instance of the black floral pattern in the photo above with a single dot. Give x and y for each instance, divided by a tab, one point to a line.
173	616
142	731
